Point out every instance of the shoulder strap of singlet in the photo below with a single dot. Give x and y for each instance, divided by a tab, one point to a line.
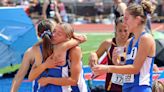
68	62
41	48
131	42
67	57
110	50
67	54
140	37
114	42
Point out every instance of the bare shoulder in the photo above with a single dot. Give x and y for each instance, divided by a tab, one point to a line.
29	52
147	38
75	54
75	49
106	43
128	41
147	43
35	48
28	57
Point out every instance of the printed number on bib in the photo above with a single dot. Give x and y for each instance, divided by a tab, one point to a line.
117	79
128	78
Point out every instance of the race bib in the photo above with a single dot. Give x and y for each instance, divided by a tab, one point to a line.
133	54
117	78
128	78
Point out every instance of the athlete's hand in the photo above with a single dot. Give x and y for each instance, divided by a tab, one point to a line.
51	63
81	38
43	81
93	59
100	69
115	56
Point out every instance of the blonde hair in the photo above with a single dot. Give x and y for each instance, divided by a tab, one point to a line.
158	86
141	10
68	29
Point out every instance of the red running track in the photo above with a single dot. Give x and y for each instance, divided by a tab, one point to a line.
107	27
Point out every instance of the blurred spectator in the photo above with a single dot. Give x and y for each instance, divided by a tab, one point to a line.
153	7
119	8
160	11
28	5
7	3
1	4
62	11
128	2
36	7
50	10
99	10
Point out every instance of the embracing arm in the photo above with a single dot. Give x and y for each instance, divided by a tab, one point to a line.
146	46
103	47
77	39
93	59
38	67
27	59
75	56
36	71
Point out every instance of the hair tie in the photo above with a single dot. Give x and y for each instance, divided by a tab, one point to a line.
46	32
145	12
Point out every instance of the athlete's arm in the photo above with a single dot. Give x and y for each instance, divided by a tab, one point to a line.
146	48
38	67
115	53
93	59
57	13
74	42
27	59
75	68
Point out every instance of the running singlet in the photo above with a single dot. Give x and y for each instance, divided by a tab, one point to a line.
59	72
109	86
50	8
144	77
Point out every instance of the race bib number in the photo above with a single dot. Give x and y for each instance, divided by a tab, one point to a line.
117	78
133	54
128	78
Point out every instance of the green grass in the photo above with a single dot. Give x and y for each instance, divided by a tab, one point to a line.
93	42
158	35
9	69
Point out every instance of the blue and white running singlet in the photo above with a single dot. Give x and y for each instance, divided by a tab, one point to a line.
59	72
143	80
